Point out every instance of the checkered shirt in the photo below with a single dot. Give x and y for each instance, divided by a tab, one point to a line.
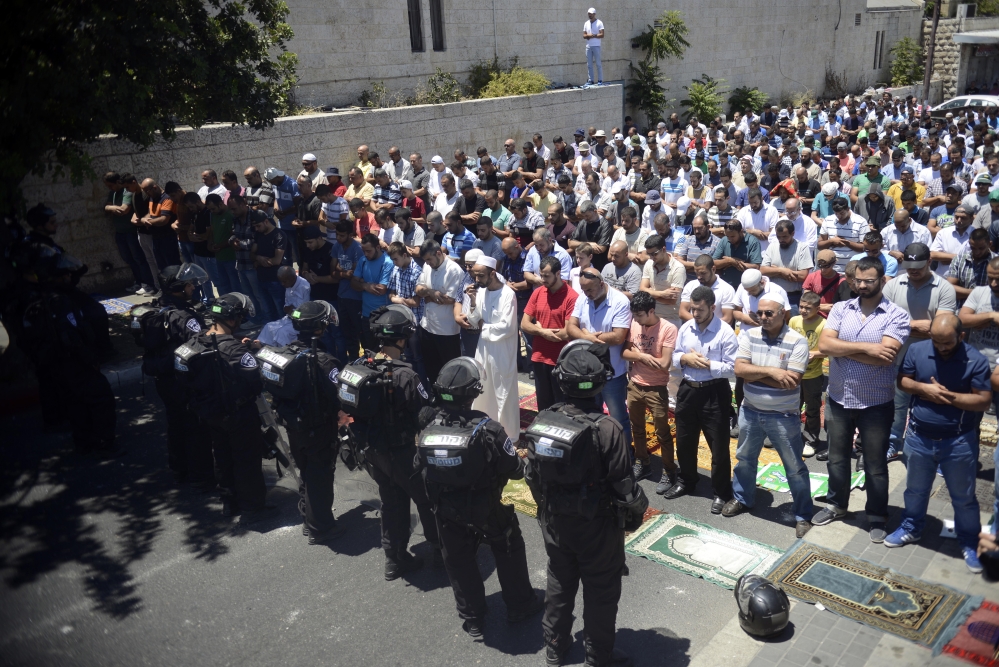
969	273
403	283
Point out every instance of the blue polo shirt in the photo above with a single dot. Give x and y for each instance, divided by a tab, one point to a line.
533	261
347	259
284	201
613	312
965	370
379	272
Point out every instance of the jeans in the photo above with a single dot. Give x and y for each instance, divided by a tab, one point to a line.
228	276
271	299
414	355
811	399
656	399
593	58
615	395
146	244
898	432
131	253
958	459
784	430
165	250
874	423
349	311
250	286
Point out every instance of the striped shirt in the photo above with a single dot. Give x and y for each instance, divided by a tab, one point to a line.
970	273
689	249
854	384
788	351
402	282
853	229
673	189
334	210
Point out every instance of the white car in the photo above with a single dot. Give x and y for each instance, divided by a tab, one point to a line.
976	103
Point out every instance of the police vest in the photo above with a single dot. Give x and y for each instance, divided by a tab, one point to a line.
302	397
362	389
454	455
160	331
563	447
284	371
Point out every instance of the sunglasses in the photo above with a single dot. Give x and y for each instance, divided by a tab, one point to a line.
766	313
824	265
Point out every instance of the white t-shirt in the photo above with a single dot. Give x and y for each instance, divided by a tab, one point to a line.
765	221
724	294
593	27
390	235
447	278
853	230
950	241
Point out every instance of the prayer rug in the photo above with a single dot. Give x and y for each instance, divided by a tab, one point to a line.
116	306
977	641
916	610
772	477
700	550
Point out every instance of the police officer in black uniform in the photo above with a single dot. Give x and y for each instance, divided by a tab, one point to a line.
580	475
302	379
384	396
61	341
467	459
224	381
161	327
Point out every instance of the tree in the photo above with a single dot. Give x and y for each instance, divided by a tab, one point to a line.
704	98
136	69
744	97
665	39
906	62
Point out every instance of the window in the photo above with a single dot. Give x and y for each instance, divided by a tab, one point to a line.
856	19
437	23
416	25
879	49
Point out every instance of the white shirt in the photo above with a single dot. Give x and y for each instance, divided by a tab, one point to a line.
443	205
717	342
649	216
853	230
750	303
806	232
434	182
724	294
765	220
204	191
950	241
593	27
395	170
896	241
438	318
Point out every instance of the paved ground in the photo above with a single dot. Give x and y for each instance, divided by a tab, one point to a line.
109	564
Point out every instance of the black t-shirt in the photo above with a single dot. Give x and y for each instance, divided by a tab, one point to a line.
467	207
140	205
495	181
533	163
202	223
600	233
308	209
267	246
810	190
318	261
844	293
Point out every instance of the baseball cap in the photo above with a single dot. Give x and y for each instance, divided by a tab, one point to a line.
872	161
983	179
916	256
907	169
751	278
994	195
682	204
653	197
272	172
616	188
437	159
618	137
405	185
827	257
309	157
591	10
841	146
963	209
661	125
953	186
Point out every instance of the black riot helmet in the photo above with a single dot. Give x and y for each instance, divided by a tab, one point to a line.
233	306
44	264
583	368
313	316
763	607
174	278
393	322
460	382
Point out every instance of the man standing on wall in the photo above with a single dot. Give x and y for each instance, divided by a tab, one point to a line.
593	33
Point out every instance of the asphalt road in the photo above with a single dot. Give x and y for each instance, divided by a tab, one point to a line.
108	563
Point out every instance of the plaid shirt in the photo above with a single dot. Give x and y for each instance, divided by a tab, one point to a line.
936	187
969	273
854	384
243	230
402	282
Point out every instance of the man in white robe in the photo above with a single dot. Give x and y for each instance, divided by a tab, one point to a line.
493	306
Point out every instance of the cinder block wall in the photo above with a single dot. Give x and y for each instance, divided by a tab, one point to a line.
430	130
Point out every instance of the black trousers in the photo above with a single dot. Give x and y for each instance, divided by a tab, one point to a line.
811	398
237	445
315	455
591	552
460	543
706	409
393	473
437	351
90	406
189	442
548	391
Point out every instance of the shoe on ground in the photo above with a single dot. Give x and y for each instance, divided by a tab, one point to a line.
641	470
860	463
262	514
134	288
801	528
400	562
328	535
666	482
475	627
717	505
531	609
145	290
991	410
554	656
900	538
808	451
822	455
678	489
877	532
733	430
939	471
971	560
732	508
618	659
827	515
894	454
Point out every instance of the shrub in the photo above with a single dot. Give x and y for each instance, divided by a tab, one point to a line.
704	98
482	72
906	62
744	97
645	92
518	81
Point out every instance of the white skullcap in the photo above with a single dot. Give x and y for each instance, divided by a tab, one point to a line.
405	185
309	157
485	260
751	278
473	255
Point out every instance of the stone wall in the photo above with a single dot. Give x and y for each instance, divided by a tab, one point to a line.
781	46
947	55
333	137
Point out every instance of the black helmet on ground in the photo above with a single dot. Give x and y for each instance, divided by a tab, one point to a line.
583	368
392	323
460	382
763	607
175	277
232	306
312	316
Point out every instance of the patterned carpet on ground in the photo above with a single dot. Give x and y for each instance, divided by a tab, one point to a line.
977	641
916	610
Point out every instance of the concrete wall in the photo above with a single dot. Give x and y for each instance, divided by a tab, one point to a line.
947	57
439	129
780	46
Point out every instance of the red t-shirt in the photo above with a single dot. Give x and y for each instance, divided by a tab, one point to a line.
550	311
416	207
826	289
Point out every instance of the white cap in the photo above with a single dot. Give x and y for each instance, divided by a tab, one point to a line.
485	260
473	255
751	278
405	185
272	172
309	157
618	137
616	188
682	204
591	10
829	189
437	159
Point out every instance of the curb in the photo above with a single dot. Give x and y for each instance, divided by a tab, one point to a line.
124	375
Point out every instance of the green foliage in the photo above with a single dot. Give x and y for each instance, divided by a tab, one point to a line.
744	97
376	97
987	8
645	91
442	87
81	69
704	98
906	62
666	39
482	72
518	81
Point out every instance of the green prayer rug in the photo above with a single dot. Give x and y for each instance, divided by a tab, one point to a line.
916	610
700	550
771	476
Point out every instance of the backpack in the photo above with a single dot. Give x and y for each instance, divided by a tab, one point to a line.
362	388
453	455
160	332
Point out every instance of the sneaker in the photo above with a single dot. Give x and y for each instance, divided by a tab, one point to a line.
801	528
971	560
894	454
641	470
827	515
900	538
808	451
145	290
475	627
767	443
877	532
554	656
733	427
134	288
666	482
939	471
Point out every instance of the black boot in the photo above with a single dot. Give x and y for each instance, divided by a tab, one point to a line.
398	562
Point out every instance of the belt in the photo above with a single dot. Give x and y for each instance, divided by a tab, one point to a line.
707	383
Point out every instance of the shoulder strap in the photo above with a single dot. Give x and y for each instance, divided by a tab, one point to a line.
829	287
